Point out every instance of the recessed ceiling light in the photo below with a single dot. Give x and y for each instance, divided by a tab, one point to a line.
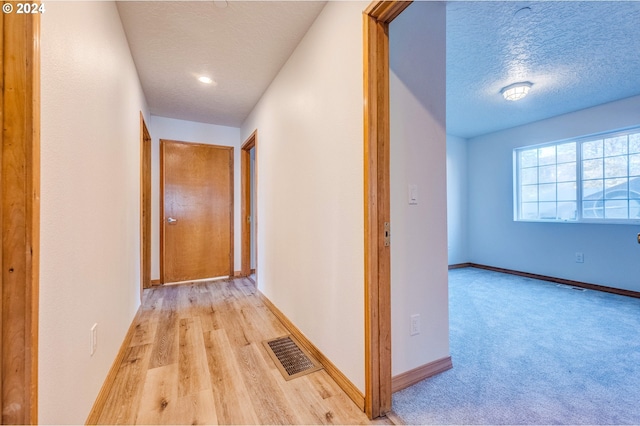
516	91
206	80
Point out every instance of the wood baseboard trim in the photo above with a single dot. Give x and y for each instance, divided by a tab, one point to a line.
101	399
418	374
460	265
619	291
345	384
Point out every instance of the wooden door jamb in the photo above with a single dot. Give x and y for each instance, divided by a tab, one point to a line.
376	19
19	215
245	164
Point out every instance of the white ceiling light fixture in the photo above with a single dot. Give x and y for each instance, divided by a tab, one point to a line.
516	91
206	80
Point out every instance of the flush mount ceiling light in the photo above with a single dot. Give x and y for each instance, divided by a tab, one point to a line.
516	91
206	80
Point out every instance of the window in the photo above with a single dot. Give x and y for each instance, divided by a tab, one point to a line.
590	179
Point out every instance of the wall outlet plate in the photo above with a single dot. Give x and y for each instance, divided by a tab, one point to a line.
415	325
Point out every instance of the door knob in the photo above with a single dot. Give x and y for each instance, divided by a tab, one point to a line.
171	220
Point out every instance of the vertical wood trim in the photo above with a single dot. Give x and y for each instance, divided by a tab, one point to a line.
162	143
1	216
145	206
245	242
378	383
245	165
231	210
20	216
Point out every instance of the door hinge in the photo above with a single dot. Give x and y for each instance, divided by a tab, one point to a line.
387	234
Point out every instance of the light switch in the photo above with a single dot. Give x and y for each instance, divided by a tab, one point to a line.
413	194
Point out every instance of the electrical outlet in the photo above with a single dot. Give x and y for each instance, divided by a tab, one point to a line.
94	339
415	325
579	257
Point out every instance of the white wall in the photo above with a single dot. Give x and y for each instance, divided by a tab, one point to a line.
418	157
90	205
457	196
190	131
611	252
310	187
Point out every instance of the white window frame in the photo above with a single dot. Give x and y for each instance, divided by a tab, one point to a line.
579	179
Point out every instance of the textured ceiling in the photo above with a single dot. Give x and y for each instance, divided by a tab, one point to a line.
576	54
242	47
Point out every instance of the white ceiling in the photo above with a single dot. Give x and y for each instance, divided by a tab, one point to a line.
242	47
576	54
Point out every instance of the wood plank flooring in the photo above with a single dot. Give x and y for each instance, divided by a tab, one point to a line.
196	358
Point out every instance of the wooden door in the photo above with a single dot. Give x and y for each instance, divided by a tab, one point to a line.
197	211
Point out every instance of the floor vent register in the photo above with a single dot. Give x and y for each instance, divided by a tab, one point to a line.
290	358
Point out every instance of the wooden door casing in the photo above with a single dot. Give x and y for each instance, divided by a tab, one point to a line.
145	205
196	191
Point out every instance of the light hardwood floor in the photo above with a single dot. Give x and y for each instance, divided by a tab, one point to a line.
196	358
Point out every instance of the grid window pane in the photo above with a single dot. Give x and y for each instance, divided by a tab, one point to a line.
547	210
634	165
615	146
615	166
634	188
529	211
547	174
591	188
616	209
590	179
547	155
592	169
592	149
529	193
547	192
566	152
529	176
529	158
634	143
567	191
566	172
567	210
616	188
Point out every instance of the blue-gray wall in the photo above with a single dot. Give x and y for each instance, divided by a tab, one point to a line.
611	252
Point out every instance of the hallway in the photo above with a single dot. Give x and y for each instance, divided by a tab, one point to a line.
195	357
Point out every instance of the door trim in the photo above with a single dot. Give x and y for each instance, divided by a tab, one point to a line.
163	142
377	258
20	216
245	165
145	206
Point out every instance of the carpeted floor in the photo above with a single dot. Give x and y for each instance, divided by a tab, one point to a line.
529	352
